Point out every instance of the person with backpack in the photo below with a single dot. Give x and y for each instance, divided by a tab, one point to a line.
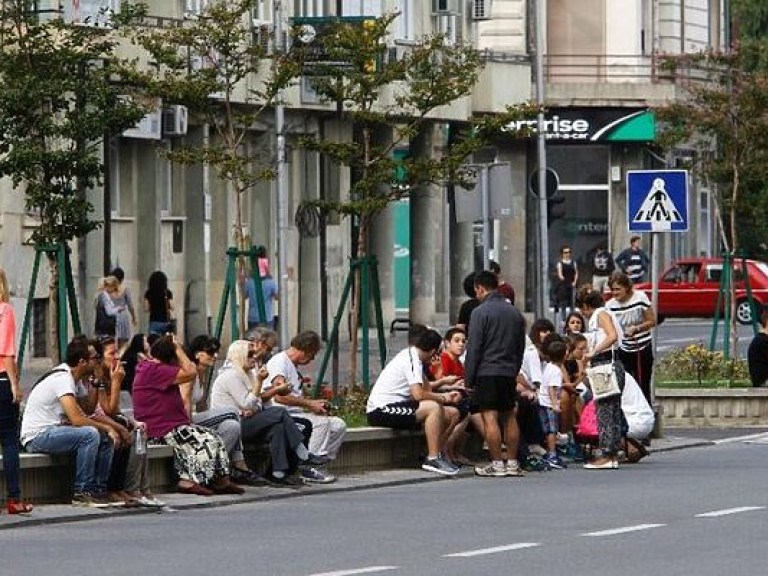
602	268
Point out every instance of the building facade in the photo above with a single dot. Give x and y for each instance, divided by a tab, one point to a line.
602	64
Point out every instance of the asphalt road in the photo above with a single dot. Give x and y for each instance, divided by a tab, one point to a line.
699	511
676	333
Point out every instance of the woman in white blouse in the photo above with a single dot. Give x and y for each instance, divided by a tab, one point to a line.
603	334
239	386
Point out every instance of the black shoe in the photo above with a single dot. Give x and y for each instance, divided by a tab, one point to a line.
246	477
285	481
315	460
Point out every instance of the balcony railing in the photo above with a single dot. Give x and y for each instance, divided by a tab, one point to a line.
617	68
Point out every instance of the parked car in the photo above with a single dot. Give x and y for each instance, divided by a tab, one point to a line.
689	288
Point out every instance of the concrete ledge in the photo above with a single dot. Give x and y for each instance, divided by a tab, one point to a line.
46	479
719	407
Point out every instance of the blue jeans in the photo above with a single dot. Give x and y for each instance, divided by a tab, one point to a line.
93	453
9	437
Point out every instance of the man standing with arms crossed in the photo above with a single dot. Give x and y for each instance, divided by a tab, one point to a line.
495	347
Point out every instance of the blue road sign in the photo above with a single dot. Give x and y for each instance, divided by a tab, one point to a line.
657	200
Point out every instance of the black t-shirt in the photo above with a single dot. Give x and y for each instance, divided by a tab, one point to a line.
158	306
466	311
757	359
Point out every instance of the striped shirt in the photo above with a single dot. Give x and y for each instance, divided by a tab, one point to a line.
632	313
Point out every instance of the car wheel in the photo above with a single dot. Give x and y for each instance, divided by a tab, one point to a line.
744	312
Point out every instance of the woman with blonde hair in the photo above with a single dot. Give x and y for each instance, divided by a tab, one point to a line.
10	397
110	316
239	387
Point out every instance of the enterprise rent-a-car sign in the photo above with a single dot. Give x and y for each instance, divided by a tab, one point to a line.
583	125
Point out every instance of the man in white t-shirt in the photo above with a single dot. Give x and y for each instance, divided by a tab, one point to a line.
327	431
402	399
54	423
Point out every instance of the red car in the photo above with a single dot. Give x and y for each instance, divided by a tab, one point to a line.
688	288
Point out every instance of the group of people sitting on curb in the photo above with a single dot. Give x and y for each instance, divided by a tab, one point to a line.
528	396
74	409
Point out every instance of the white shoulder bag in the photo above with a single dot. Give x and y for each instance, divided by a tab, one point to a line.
603	381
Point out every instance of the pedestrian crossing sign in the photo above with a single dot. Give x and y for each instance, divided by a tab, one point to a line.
657	200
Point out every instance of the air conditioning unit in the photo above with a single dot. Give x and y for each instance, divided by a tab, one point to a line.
148	128
175	118
481	9
445	7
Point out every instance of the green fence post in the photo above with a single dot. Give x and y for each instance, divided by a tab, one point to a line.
379	314
334	338
28	311
73	311
259	288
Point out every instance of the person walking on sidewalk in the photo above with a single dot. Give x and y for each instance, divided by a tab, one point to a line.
495	347
54	423
10	397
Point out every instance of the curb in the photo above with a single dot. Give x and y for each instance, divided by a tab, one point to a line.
202	502
270	494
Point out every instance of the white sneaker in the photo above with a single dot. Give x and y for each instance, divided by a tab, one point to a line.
490	470
536	450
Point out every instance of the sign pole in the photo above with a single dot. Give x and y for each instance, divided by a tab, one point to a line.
543	292
486	210
655	303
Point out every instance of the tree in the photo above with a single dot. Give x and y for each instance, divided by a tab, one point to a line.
226	74
348	63
724	119
63	89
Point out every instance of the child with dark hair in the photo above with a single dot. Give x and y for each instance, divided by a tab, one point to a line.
553	376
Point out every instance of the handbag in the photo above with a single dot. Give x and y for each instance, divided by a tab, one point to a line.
603	381
105	324
587	427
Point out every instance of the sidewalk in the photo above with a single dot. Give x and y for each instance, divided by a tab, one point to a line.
676	439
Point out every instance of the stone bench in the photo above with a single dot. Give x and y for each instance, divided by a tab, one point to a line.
47	478
717	407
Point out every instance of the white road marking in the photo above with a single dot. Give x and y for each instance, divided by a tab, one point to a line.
368	570
729	511
624	530
494	550
745	438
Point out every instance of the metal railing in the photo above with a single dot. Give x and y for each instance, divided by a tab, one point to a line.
619	68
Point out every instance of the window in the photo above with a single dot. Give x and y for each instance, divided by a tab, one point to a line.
309	8
90	12
402	27
361	8
194	7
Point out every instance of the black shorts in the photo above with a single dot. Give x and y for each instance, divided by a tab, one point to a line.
398	415
495	393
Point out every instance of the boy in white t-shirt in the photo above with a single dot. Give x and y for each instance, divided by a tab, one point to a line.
553	376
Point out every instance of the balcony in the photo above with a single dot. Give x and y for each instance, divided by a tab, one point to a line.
612	80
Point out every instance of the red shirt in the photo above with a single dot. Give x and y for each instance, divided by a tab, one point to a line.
451	366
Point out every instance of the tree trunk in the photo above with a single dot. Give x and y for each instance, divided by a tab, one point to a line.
53	306
357	296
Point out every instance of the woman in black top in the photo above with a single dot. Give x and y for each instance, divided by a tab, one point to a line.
158	301
567	276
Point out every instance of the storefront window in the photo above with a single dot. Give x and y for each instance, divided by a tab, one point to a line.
584	183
